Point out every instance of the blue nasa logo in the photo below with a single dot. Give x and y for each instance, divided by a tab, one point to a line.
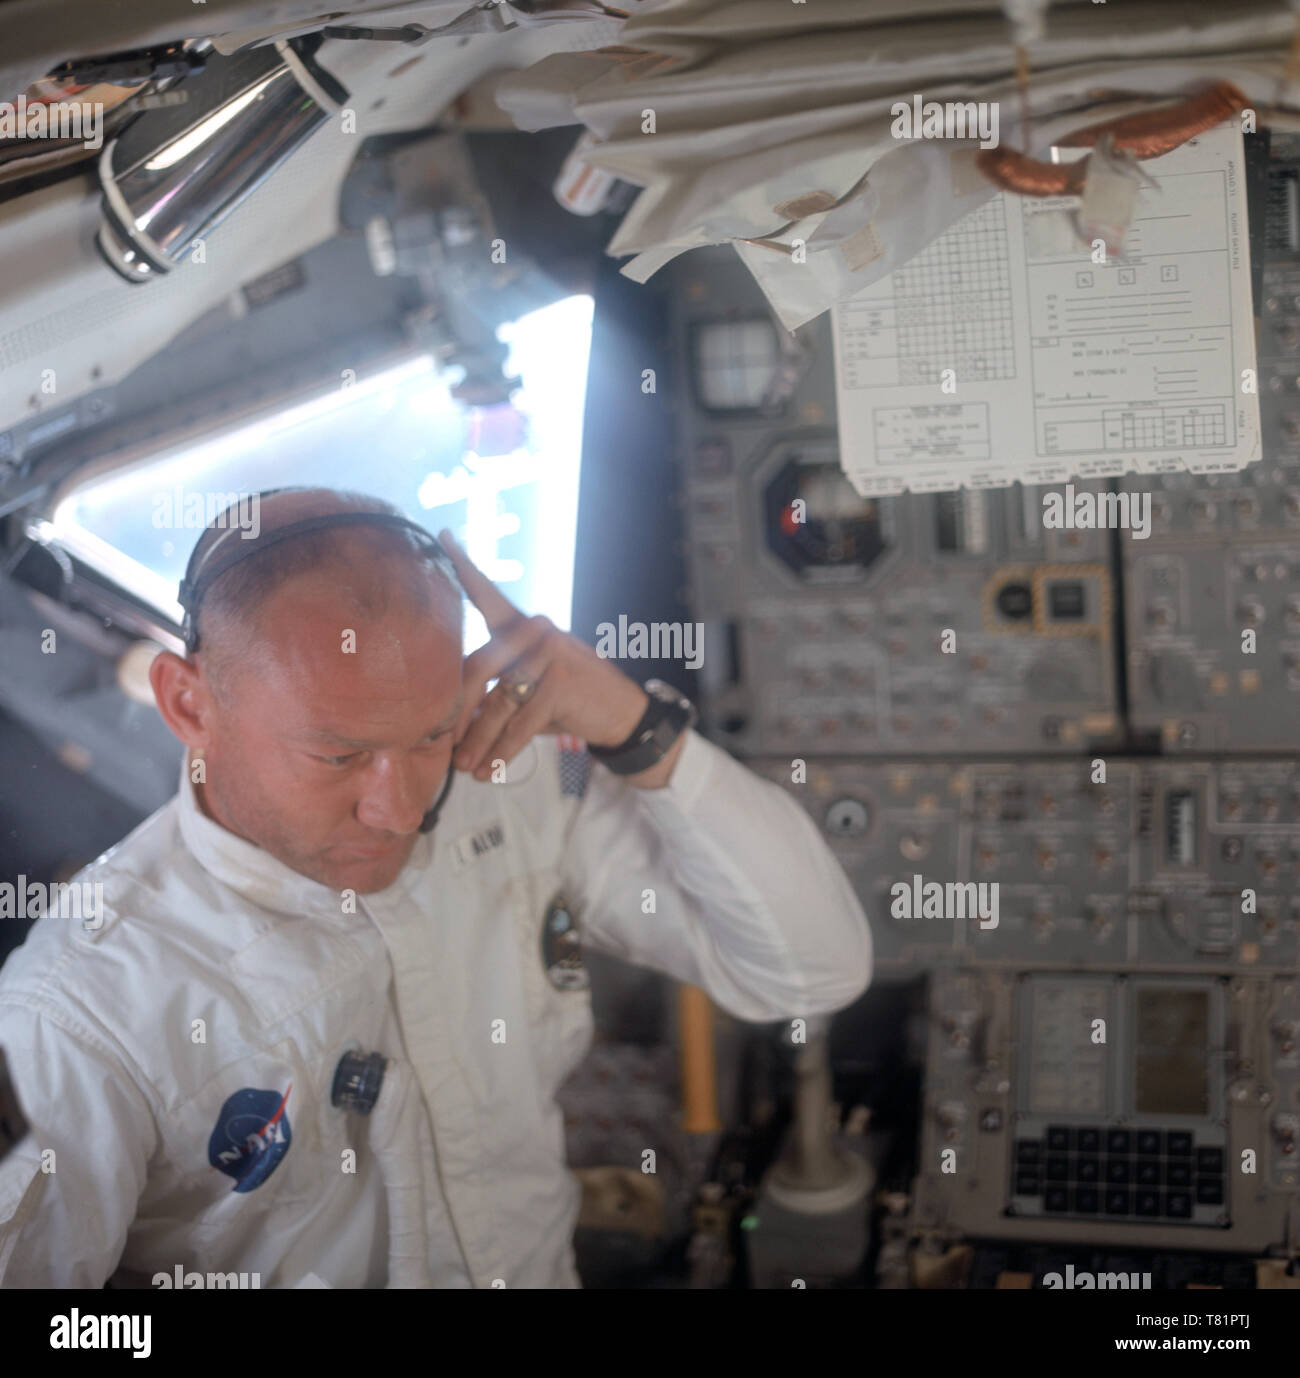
252	1135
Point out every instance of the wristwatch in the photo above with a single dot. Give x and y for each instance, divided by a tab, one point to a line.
667	716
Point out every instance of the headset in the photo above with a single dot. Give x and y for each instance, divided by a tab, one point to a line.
210	559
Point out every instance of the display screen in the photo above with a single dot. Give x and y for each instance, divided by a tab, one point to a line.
1067	1070
736	364
1173	1050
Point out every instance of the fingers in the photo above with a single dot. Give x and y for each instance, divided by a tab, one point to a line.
493	714
503	652
504	727
502	731
521	727
498	611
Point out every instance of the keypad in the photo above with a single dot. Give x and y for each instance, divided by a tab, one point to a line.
1142	1174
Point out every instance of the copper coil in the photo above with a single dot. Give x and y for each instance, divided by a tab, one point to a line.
1014	171
1152	133
1149	134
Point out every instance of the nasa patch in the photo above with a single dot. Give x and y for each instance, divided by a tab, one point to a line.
562	948
252	1135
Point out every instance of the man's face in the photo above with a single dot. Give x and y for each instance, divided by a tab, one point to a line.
328	758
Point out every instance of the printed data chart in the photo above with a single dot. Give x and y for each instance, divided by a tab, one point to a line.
1135	355
1011	349
1153	428
903	341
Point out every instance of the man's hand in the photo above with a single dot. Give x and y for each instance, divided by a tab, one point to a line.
576	691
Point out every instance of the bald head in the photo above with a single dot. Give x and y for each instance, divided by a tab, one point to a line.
361	572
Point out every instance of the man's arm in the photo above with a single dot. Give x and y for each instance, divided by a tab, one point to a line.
69	1190
717	878
694	867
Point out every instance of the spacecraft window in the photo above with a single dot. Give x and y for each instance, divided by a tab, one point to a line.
504	478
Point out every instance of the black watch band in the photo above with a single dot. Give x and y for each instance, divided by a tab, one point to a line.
668	714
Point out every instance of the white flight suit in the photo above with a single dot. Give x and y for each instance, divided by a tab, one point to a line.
221	980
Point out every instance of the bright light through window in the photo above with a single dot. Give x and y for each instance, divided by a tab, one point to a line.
503	478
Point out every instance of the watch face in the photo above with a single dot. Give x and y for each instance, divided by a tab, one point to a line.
656	688
669	714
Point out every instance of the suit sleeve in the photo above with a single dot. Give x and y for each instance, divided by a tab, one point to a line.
87	1121
720	880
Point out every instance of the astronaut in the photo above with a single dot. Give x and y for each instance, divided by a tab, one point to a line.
318	896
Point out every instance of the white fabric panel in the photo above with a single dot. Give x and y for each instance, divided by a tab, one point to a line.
760	103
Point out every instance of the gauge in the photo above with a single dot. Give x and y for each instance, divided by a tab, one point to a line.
816	520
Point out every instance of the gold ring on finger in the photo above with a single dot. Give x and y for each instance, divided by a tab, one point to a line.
518	688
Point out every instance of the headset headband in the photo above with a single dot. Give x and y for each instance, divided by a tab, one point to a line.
205	568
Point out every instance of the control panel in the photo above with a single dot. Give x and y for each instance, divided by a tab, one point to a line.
1158	865
1212	597
1098	1108
1061	768
923	624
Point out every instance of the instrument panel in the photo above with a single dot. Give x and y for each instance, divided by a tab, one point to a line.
1061	768
922	624
1097	864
